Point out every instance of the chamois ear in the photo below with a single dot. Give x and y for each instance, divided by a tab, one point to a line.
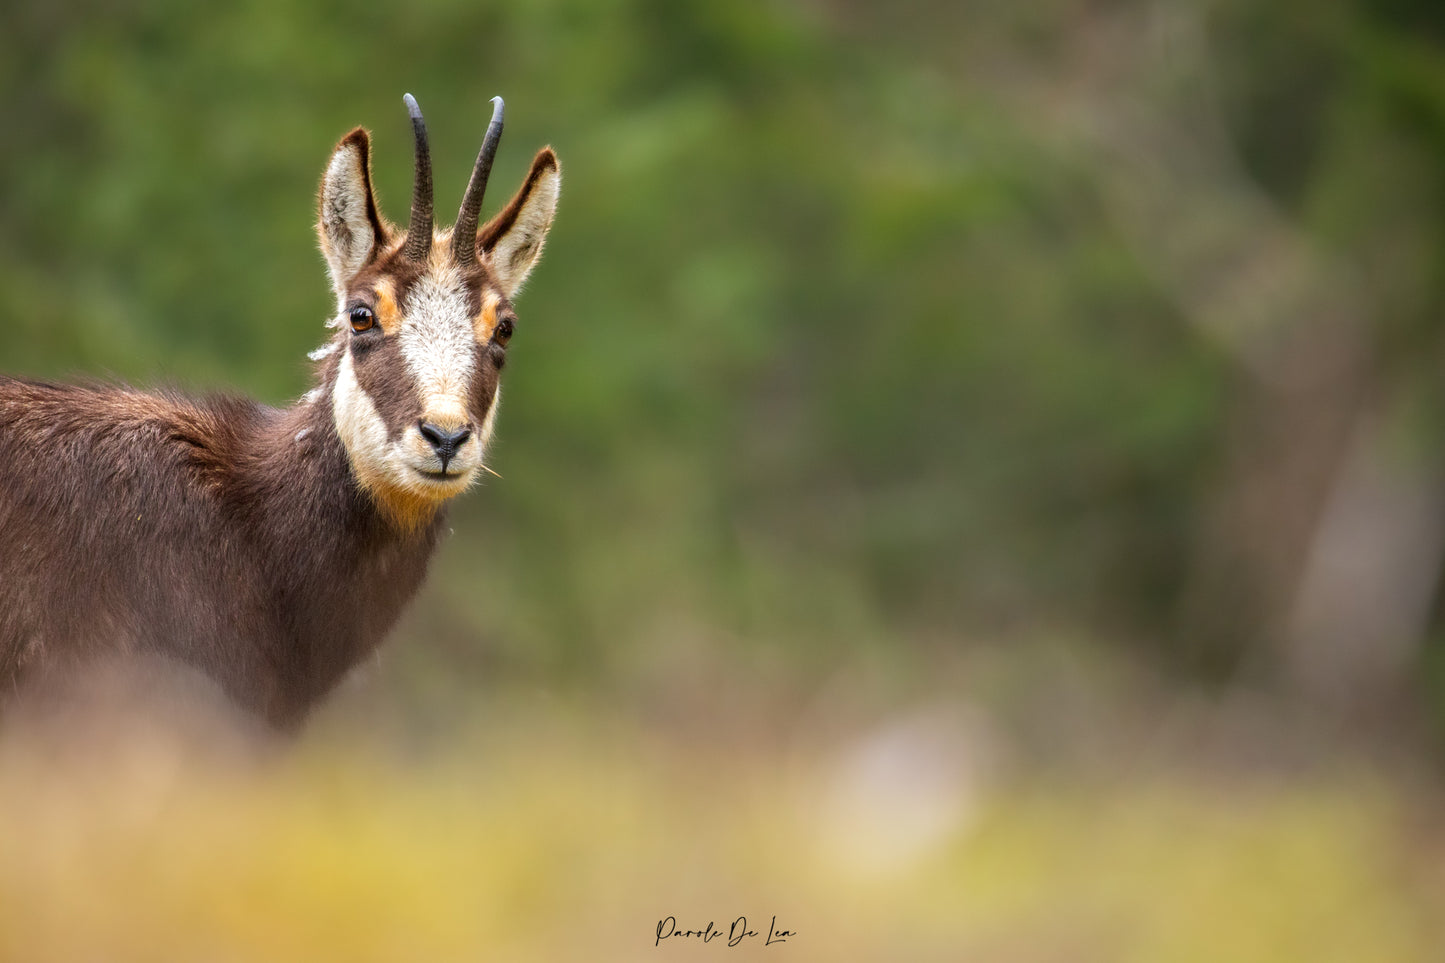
349	226
512	241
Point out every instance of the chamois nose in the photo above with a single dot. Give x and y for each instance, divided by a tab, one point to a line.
444	442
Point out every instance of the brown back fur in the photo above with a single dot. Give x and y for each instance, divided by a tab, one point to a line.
200	531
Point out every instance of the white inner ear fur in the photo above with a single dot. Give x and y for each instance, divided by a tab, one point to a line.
346	234
516	252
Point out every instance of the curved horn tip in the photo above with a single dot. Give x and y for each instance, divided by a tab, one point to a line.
419	231
464	233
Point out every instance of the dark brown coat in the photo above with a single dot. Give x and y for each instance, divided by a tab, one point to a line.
199	531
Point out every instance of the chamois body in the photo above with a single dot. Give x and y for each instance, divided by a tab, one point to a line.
270	550
202	531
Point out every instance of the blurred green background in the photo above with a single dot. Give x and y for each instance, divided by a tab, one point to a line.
1066	376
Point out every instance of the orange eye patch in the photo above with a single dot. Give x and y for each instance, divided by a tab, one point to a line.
487	319
388	315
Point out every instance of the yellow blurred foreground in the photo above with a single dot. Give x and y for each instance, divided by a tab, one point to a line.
549	840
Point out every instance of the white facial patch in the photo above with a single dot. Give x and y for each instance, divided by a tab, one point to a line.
484	437
438	344
360	426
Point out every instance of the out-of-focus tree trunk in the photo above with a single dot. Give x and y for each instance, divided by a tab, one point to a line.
1363	602
1319	547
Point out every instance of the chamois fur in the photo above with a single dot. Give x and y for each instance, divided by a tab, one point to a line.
246	542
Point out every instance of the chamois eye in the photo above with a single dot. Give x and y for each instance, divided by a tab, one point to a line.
362	319
503	331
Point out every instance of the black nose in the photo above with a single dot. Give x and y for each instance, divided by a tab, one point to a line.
444	442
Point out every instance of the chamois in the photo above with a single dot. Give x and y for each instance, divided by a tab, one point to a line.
272	549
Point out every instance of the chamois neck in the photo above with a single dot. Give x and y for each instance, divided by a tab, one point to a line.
349	568
303	446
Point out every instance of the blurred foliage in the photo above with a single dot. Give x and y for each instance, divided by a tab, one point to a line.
835	346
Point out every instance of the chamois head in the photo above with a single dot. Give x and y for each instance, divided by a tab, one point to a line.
424	316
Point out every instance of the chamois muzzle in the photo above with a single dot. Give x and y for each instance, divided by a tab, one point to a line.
444	442
418	233
464	235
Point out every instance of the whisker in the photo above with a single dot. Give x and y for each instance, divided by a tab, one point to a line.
486	469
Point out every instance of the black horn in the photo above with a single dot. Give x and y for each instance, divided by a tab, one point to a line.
418	233
464	235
